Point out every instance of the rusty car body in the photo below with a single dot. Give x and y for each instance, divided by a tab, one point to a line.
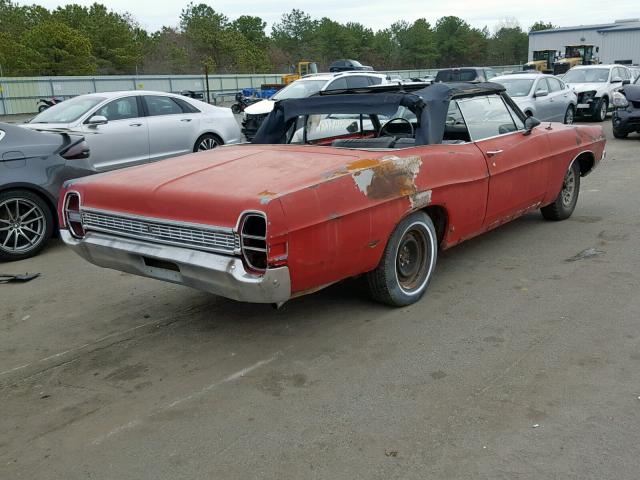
370	182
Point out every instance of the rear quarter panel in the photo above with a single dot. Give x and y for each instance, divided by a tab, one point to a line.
567	142
339	228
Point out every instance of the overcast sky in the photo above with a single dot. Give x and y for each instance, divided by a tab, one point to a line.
152	14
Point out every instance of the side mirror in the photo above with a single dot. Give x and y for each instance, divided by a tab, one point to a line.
529	124
353	127
616	80
97	120
541	93
626	82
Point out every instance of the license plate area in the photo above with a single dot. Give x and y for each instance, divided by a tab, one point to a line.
162	269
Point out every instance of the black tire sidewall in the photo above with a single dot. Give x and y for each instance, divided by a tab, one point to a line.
567	211
49	223
420	221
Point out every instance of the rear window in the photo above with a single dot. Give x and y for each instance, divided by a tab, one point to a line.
457	75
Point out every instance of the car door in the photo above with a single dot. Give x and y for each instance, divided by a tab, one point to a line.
543	103
172	131
121	142
558	100
515	161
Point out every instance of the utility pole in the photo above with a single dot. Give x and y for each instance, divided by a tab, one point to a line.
206	78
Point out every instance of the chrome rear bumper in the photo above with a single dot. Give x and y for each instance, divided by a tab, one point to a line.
219	274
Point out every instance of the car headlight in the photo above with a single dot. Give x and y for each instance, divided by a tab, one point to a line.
619	100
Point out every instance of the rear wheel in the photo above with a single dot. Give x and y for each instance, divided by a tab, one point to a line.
570	115
565	202
235	108
619	134
601	110
26	223
208	141
407	263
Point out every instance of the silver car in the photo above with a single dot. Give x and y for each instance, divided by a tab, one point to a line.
545	97
134	127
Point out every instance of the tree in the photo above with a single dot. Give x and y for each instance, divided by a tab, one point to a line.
252	28
540	25
61	49
116	40
454	39
293	34
416	43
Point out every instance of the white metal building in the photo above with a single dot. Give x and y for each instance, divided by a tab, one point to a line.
617	42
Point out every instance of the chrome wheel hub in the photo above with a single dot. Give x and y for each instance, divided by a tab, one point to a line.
568	188
22	225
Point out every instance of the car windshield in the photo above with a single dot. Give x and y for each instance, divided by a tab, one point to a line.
587	75
69	110
517	87
462	75
299	89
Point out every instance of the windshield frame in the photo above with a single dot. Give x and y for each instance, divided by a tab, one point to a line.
292	85
608	70
60	107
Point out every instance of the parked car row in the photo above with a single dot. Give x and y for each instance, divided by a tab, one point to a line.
90	134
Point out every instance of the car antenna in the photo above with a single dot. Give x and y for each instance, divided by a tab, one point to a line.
549	126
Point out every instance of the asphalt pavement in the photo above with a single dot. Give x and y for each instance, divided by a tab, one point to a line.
521	362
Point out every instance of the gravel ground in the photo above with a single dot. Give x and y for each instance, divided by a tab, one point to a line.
517	364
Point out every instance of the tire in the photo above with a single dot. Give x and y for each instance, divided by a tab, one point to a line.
407	264
208	141
42	108
235	108
602	108
27	235
570	115
565	203
619	134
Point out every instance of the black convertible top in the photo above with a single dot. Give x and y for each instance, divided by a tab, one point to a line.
429	103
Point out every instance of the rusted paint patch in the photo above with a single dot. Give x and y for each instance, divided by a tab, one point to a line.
420	199
266	196
373	244
386	178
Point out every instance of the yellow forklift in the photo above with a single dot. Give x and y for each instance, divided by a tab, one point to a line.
304	68
575	55
543	61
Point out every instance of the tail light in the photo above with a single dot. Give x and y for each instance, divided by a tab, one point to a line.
78	150
253	241
72	215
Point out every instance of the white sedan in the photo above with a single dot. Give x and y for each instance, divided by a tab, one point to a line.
135	127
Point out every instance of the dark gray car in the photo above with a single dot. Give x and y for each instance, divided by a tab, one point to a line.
33	166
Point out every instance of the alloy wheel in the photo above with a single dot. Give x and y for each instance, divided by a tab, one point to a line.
569	116
22	225
207	143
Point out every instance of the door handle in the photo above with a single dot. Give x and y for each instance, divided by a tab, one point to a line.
185	120
493	153
135	124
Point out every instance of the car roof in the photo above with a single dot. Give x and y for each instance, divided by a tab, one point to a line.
121	93
582	67
522	76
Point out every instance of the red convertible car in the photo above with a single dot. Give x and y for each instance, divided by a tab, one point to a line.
371	182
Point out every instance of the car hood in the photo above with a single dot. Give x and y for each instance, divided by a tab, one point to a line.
214	187
260	108
632	92
586	87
